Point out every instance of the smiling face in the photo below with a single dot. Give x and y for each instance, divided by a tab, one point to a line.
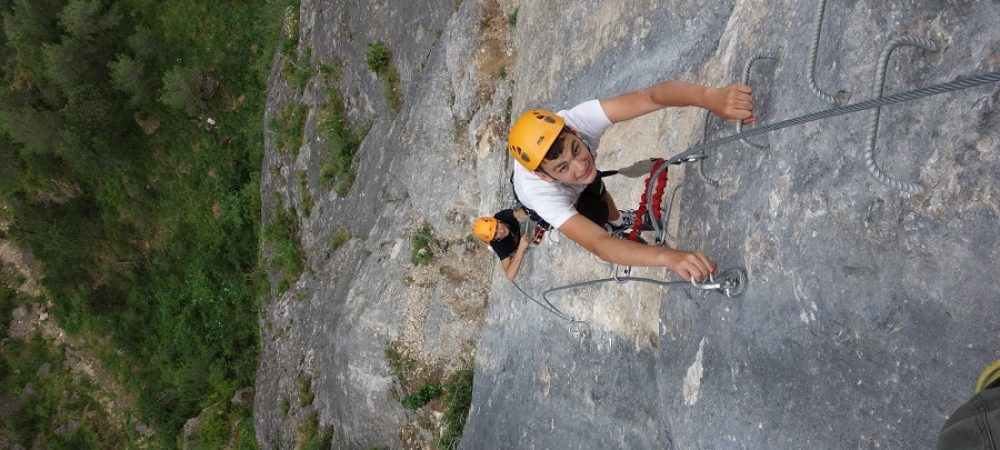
574	163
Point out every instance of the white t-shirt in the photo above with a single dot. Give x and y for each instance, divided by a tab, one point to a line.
552	200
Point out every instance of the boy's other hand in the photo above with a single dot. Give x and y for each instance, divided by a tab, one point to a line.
731	103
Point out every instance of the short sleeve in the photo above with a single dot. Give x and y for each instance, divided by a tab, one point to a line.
589	119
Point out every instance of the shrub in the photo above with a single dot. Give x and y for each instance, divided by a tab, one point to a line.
306	395
423	396
286	253
288	127
299	71
305	197
339	238
378	57
344	184
402	365
306	436
457	398
421	242
342	143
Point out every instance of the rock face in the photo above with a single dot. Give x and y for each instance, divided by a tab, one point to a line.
333	325
863	322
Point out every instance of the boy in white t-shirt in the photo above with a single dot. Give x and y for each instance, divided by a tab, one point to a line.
558	180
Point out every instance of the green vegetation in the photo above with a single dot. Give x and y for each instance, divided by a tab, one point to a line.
389	196
403	366
148	229
379	59
342	143
344	184
180	90
295	64
421	242
288	127
299	72
9	300
331	72
457	398
506	110
306	395
512	18
283	407
457	391
306	437
305	197
339	238
55	410
407	372
423	396
286	254
221	425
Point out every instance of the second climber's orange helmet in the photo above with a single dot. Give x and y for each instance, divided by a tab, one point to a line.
485	228
532	135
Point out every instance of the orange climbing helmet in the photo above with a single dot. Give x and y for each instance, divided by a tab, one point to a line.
532	135
485	228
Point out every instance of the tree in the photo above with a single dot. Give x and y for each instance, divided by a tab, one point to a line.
30	25
83	19
36	130
144	45
180	90
129	76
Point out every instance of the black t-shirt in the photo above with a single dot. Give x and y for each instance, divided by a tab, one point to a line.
507	246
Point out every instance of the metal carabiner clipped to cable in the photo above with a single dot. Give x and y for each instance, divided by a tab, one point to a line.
710	286
731	282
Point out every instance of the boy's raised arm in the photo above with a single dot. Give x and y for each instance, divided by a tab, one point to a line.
733	102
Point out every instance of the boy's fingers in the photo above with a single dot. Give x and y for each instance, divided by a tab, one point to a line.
742	88
697	265
705	265
709	265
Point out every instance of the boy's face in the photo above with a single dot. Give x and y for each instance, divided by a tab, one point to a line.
575	165
501	232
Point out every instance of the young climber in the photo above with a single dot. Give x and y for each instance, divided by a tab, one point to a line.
503	232
558	180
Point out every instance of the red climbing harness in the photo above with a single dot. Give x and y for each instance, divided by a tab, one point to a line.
650	204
